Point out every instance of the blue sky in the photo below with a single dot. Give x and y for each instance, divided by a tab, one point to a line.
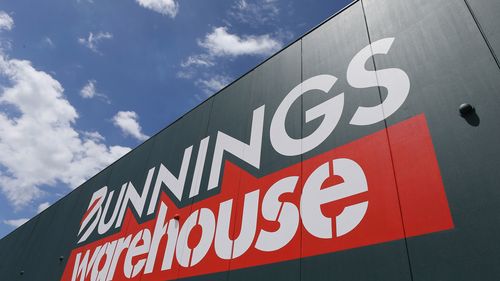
84	81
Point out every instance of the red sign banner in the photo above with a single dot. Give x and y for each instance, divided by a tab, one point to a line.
383	187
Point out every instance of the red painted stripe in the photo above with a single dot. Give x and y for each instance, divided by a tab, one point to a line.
91	207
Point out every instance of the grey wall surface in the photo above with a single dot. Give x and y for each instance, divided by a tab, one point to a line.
449	50
486	14
440	46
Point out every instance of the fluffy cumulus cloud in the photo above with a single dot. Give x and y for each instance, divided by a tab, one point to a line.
213	84
6	22
222	43
164	7
15	223
39	146
128	122
93	40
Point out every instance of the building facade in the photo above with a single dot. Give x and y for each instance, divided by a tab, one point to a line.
368	149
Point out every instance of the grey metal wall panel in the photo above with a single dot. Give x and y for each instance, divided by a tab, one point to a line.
231	115
170	145
169	148
329	50
53	240
41	257
377	262
438	44
487	14
130	170
21	250
270	83
4	254
8	250
133	169
267	85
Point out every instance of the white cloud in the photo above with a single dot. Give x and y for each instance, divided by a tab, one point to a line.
213	84
94	136
88	91
39	147
42	207
222	43
15	223
198	60
164	7
127	121
255	12
92	40
6	22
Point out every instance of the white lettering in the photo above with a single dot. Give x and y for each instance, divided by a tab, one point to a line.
175	185
132	196
134	250
287	214
223	244
330	110
249	153
394	80
313	196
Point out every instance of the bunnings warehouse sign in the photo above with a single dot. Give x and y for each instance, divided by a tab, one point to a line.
341	198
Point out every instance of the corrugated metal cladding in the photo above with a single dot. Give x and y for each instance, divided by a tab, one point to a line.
323	175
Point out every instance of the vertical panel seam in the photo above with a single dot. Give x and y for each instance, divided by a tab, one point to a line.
483	34
141	275
302	154
389	143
